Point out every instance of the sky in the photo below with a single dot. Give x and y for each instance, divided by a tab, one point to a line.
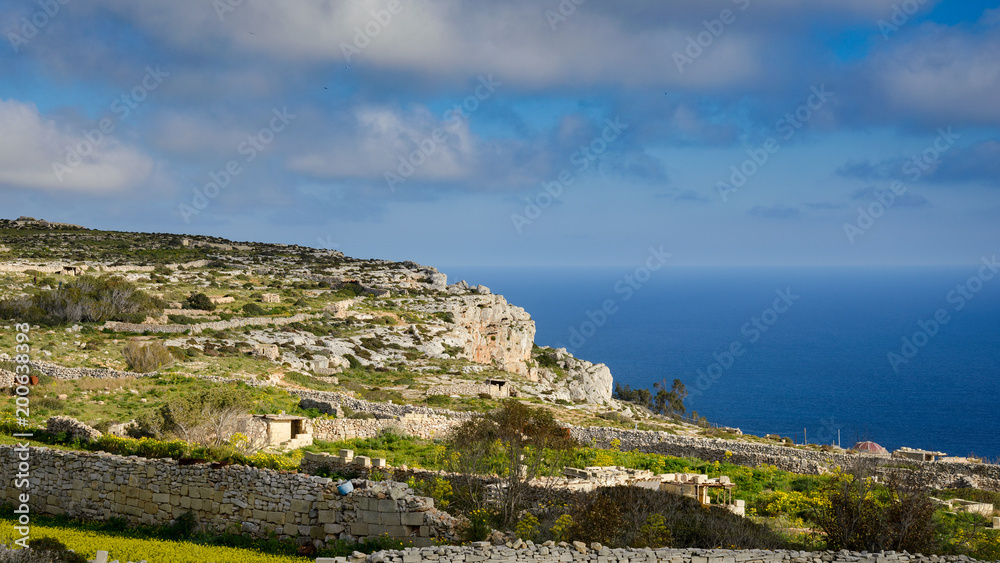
515	133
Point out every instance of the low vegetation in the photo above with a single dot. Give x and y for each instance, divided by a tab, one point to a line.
83	299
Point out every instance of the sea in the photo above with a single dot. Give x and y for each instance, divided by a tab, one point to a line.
902	356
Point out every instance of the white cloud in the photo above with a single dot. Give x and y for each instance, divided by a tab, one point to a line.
944	74
36	153
383	136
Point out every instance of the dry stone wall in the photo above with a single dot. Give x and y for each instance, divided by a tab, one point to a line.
98	486
596	553
328	401
216	325
754	454
427	427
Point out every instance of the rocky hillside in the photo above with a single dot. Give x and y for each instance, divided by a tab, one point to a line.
295	317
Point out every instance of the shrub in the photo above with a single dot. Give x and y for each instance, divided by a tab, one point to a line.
253	310
84	299
354	363
146	358
439	400
478	527
527	528
626	516
200	301
865	513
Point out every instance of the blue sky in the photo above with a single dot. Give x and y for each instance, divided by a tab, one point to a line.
572	132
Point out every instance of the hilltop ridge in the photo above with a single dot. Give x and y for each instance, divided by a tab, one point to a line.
302	318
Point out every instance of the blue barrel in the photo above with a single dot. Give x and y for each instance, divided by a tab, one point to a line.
346	488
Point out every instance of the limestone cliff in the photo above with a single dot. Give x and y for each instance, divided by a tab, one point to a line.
574	379
495	332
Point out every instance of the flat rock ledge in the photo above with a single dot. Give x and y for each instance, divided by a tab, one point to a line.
481	551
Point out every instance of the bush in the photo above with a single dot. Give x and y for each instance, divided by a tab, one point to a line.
84	299
147	358
354	363
253	310
626	516
871	512
201	301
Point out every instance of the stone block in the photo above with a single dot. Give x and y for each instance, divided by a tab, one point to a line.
389	518
412	518
327	517
386	505
333	529
276	517
378	462
300	505
359	529
291	529
363	461
370	517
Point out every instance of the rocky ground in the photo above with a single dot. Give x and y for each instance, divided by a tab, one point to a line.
306	318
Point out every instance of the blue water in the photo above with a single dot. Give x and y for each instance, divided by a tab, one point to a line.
818	366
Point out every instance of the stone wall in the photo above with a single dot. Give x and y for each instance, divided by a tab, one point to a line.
327	401
471	390
427	427
57	267
754	454
216	325
60	372
560	553
98	486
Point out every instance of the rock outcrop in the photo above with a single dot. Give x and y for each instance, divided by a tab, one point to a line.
582	380
494	331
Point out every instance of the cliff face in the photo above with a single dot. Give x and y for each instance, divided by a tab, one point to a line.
494	331
576	379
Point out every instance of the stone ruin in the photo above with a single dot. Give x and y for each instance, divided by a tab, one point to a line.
689	485
72	427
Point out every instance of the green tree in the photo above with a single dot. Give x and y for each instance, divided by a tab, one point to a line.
516	442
